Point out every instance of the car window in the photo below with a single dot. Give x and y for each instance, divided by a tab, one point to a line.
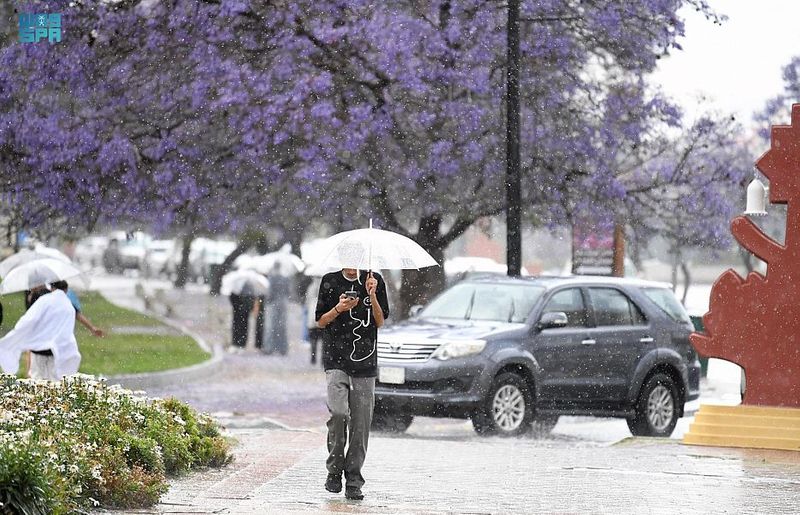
485	301
453	303
666	301
612	307
570	302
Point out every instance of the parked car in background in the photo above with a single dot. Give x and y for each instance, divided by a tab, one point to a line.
125	251
157	256
510	353
89	251
204	253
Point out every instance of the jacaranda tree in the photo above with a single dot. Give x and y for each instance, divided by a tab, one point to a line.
215	115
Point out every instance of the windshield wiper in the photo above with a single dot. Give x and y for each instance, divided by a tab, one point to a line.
469	308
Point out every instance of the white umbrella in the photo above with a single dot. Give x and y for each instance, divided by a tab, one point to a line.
37	273
239	280
27	255
288	263
372	249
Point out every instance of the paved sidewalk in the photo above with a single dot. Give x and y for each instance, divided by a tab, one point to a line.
279	471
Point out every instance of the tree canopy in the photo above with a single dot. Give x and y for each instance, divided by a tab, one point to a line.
223	114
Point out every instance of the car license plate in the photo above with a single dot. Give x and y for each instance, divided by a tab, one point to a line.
392	375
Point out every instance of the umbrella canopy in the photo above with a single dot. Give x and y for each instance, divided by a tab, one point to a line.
248	281
372	249
27	255
288	263
37	273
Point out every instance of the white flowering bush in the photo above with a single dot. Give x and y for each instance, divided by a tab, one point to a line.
78	443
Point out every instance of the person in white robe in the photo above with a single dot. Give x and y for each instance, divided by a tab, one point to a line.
49	324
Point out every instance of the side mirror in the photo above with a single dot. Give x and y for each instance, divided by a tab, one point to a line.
553	320
414	310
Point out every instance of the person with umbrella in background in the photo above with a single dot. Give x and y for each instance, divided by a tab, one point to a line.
41	360
35	358
275	337
242	287
241	303
49	323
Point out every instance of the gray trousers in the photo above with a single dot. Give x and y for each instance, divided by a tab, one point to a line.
350	403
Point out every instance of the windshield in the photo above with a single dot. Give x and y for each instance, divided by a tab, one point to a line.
664	299
480	301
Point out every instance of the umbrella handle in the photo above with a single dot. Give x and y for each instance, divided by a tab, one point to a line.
369	264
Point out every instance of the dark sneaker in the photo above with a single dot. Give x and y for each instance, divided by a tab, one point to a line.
334	483
354	493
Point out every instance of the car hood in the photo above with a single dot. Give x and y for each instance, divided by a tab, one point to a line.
427	330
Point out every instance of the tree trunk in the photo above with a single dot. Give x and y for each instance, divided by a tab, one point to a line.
419	286
676	258
687	281
183	268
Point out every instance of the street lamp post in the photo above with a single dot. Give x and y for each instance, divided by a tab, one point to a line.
513	196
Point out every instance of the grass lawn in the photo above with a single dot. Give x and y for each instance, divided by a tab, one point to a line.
118	353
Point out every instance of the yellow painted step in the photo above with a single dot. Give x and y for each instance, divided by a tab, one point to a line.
742	441
704	417
702	428
760	427
745	409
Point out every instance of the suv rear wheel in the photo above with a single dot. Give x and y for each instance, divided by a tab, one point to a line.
391	423
508	408
657	408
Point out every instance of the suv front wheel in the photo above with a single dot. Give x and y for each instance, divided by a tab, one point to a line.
657	408
508	408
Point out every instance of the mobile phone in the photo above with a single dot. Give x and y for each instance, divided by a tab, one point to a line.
351	294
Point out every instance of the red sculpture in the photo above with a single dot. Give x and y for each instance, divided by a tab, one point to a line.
756	322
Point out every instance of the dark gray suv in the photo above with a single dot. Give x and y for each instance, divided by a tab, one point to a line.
512	353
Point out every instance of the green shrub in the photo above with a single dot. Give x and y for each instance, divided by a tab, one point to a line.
27	485
80	443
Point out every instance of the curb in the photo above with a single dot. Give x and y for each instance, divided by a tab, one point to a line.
163	378
233	423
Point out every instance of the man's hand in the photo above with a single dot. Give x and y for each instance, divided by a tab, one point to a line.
98	332
372	285
377	310
346	303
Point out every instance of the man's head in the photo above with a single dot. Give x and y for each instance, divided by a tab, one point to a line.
350	273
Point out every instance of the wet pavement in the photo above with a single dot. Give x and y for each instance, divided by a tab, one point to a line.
275	407
278	471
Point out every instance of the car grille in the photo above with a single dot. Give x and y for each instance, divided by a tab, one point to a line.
405	352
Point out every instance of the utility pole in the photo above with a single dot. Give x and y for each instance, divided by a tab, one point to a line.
513	196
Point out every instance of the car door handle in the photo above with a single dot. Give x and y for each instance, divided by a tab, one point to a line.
588	342
646	339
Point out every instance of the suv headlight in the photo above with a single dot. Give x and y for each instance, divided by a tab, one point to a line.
458	349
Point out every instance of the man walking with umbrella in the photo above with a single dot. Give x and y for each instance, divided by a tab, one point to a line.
351	306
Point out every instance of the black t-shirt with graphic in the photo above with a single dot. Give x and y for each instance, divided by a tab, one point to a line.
350	340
